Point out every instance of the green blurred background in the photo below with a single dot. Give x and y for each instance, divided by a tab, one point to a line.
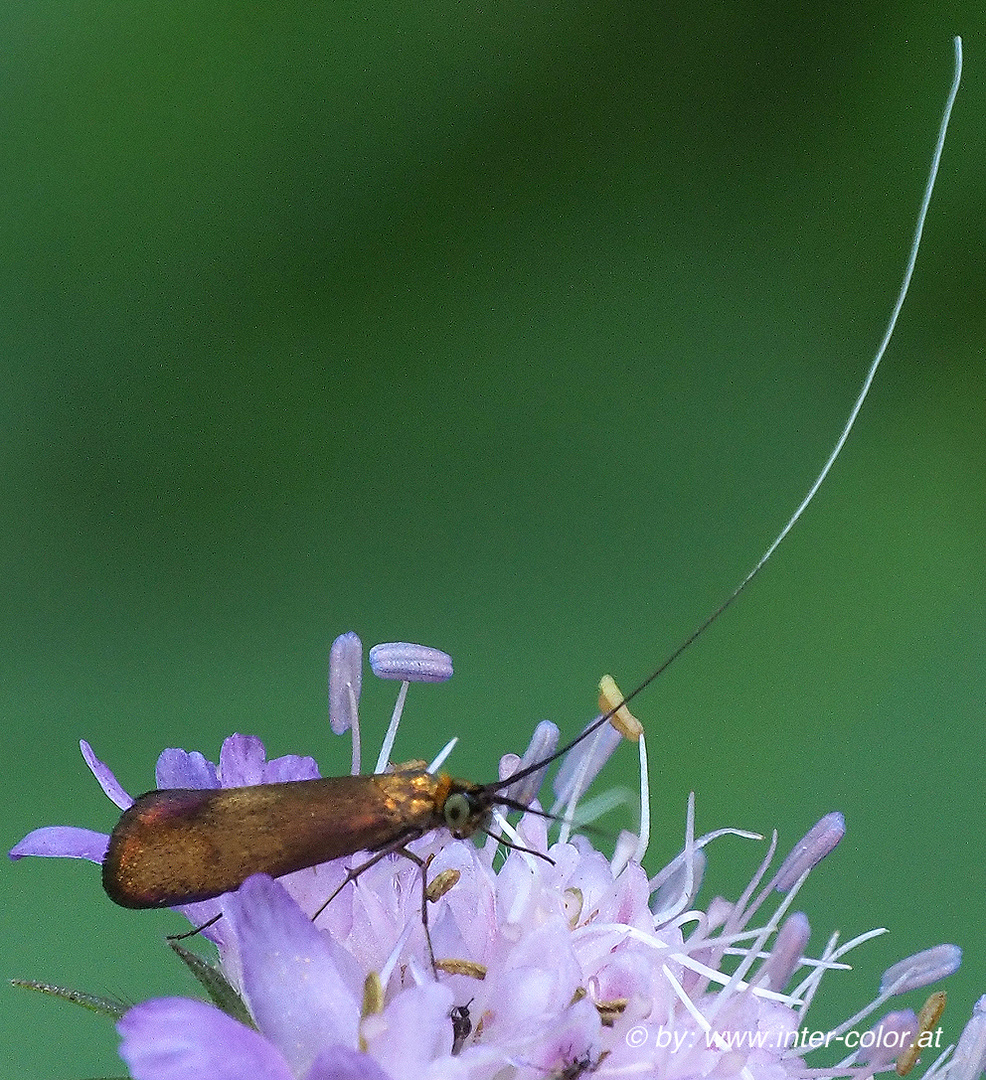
518	330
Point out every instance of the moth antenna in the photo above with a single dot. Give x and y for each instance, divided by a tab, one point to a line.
524	808
501	839
836	450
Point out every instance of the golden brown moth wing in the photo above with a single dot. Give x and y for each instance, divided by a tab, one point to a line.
180	845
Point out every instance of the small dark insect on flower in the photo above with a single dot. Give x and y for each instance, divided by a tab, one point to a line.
461	1025
580	1066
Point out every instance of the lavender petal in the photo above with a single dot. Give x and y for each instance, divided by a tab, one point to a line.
181	769
62	842
182	1039
413	1030
290	767
290	978
341	1063
242	760
107	781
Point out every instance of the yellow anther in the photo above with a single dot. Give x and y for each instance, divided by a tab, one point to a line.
928	1017
440	884
622	719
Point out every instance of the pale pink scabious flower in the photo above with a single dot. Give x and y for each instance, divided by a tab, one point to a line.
574	966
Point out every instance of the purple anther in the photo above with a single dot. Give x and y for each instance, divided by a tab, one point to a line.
785	956
809	851
345	680
887	1037
412	663
542	745
921	969
969	1058
582	763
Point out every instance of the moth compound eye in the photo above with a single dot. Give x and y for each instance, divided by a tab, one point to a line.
457	811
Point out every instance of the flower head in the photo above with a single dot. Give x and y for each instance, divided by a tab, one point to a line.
552	960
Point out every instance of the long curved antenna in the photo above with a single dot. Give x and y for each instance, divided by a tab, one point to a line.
836	450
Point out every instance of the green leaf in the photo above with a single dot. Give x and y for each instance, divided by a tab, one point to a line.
101	1005
217	986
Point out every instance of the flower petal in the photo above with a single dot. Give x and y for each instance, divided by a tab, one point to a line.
182	1039
107	781
341	1063
291	980
62	842
242	761
412	1031
290	767
181	769
536	986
